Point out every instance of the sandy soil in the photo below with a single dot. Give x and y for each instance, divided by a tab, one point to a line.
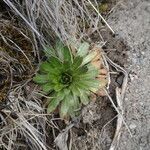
131	22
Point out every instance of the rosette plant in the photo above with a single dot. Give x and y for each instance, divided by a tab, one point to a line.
68	78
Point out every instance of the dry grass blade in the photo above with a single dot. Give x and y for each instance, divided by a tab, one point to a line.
61	139
120	93
18	122
10	4
101	17
119	122
16	59
64	19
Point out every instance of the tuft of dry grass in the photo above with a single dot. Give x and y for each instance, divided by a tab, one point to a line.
64	19
21	119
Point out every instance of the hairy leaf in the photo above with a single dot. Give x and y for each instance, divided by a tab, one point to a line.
48	87
77	62
63	52
83	49
84	99
89	75
74	106
64	107
89	57
54	102
46	67
41	79
55	62
67	54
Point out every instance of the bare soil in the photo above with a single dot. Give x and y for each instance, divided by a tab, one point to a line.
131	22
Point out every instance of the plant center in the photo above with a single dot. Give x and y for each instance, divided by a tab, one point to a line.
66	78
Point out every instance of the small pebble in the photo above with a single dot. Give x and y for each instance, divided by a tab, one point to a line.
132	126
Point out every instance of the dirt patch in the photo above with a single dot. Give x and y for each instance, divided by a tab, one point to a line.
131	22
116	48
97	128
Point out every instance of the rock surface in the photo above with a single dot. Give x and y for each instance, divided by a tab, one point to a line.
131	22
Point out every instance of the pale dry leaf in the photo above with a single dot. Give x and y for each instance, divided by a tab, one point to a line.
97	62
61	139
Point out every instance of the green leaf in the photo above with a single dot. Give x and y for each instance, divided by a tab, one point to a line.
67	54
41	79
102	83
58	87
90	83
55	101
46	67
59	46
69	106
90	74
82	93
61	94
64	107
74	106
75	91
54	76
81	85
91	67
79	89
53	104
89	57
55	62
80	70
87	85
66	66
66	91
48	87
83	49
84	99
63	52
77	62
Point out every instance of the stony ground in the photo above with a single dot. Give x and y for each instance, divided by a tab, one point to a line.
131	22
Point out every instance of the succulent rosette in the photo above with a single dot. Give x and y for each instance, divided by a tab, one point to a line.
68	78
